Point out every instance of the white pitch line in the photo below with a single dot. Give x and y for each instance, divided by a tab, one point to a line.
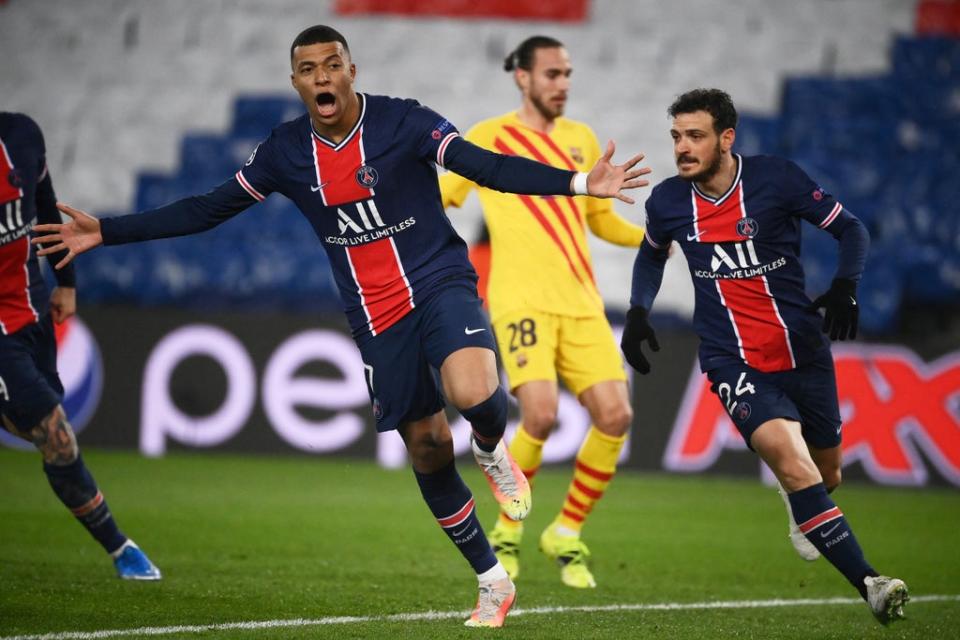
443	615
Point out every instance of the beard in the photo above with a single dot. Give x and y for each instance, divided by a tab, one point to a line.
710	170
547	111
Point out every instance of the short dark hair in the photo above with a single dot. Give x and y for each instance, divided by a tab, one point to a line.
522	56
316	34
714	101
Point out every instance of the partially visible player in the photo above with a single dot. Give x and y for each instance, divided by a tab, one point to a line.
30	388
762	341
362	170
545	308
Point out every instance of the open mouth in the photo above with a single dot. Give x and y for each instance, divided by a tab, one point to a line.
326	104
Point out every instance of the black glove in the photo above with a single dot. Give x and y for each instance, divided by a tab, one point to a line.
635	331
841	312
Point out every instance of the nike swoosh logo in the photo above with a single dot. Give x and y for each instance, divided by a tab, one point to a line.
824	534
470	331
317	188
693	236
461	532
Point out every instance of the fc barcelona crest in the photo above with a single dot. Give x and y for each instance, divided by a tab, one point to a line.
367	177
577	154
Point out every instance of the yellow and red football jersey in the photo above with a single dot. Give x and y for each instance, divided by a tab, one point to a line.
540	258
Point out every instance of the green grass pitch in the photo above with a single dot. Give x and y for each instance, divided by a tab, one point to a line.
279	539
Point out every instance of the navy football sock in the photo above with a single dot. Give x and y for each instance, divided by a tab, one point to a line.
78	491
451	503
822	522
488	419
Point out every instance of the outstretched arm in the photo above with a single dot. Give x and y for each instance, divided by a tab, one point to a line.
514	174
183	217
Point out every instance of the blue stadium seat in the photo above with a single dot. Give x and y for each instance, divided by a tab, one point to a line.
930	57
156	189
757	135
880	293
256	116
204	156
932	275
828	115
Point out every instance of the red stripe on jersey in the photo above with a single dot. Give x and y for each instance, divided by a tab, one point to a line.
16	310
337	171
552	201
539	157
762	335
553	146
256	195
760	330
462	514
535	210
718	222
384	290
8	192
442	149
819	519
832	216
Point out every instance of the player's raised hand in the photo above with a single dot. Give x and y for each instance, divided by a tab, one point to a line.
608	180
81	234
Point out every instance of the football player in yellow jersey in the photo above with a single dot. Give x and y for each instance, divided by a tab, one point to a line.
544	304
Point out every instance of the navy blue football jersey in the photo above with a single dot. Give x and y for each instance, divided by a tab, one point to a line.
25	189
743	252
372	199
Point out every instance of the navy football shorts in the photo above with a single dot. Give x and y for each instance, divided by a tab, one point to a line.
403	363
807	394
30	387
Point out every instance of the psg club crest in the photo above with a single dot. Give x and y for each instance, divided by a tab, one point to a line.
14	178
367	177
742	412
747	227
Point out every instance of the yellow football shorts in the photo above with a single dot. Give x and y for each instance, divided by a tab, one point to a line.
540	346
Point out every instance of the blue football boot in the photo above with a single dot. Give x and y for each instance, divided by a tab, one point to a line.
133	564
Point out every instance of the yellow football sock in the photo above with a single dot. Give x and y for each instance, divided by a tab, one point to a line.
593	469
527	451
